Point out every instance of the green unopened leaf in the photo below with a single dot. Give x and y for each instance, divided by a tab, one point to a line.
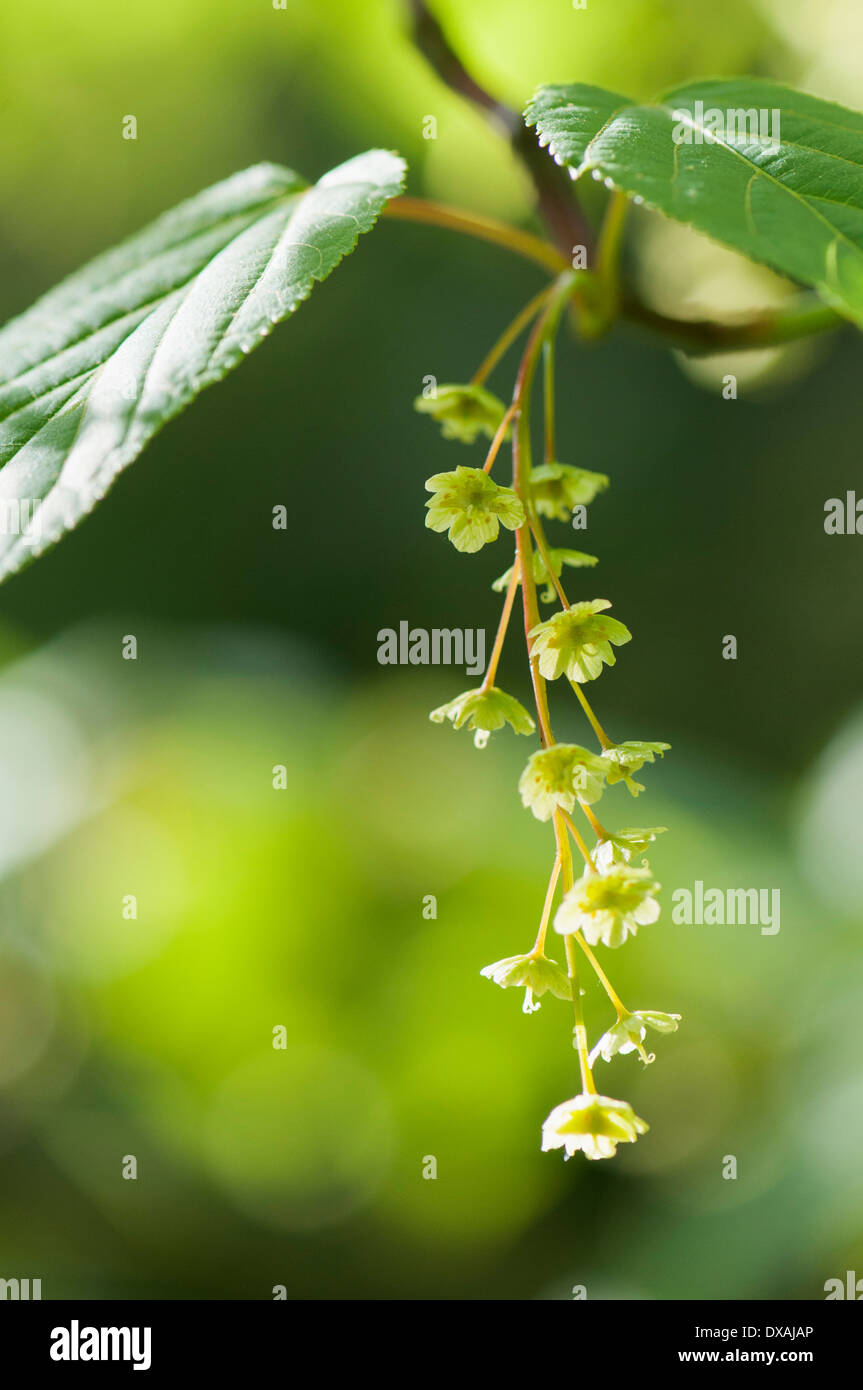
102	362
772	172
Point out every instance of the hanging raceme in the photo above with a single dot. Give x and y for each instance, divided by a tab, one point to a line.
615	894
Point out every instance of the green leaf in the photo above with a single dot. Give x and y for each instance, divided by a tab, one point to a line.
102	362
795	204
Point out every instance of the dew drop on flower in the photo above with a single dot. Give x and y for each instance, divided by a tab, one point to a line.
480	738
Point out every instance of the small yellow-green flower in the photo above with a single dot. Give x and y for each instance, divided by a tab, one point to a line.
484	711
576	641
627	758
558	487
594	1124
556	776
535	974
471	506
629	1032
624	845
463	412
610	906
576	559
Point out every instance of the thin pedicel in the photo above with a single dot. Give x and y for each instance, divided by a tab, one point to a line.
615	894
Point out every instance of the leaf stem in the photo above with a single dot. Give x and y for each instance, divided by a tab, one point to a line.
803	318
555	193
525	244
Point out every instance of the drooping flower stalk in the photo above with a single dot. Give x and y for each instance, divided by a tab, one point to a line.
509	336
548	395
539	944
542	547
580	1034
498	440
500	637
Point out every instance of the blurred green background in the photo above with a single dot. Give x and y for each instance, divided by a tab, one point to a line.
303	907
